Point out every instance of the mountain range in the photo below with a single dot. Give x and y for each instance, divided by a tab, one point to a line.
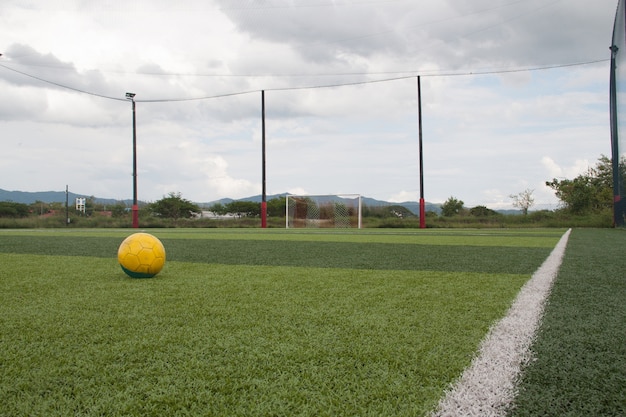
26	197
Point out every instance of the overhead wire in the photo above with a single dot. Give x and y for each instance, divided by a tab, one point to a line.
62	85
413	74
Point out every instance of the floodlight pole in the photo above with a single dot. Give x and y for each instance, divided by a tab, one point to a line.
421	157
67	206
135	208
263	179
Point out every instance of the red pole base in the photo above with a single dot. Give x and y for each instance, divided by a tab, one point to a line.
264	214
135	210
422	214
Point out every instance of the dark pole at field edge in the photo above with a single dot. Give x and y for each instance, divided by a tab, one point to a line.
67	205
135	208
421	157
618	186
263	179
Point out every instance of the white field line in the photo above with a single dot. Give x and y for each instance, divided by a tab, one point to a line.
488	386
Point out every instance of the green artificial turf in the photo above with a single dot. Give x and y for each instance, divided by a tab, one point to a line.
580	353
465	252
247	326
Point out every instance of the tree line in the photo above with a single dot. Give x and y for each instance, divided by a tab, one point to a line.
589	193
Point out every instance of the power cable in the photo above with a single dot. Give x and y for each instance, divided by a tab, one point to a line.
311	87
61	85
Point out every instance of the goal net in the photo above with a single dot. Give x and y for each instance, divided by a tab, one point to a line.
316	211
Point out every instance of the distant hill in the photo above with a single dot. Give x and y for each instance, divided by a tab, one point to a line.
25	197
59	197
412	206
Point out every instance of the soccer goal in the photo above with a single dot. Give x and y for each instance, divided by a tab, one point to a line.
316	211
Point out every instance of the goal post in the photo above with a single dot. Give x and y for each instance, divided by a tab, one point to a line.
323	211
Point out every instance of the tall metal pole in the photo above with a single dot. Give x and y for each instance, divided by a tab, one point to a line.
67	205
264	180
135	208
618	186
421	157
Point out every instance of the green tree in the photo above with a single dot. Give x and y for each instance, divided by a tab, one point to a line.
482	211
15	210
402	212
219	209
39	207
118	210
276	207
173	206
451	207
90	205
56	206
591	191
244	208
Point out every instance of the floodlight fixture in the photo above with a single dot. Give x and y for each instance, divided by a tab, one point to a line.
130	96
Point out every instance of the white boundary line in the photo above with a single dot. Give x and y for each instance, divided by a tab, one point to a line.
488	386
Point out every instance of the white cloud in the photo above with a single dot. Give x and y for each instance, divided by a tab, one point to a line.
403	196
580	166
298	191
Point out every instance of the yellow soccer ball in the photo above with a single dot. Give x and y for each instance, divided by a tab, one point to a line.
141	255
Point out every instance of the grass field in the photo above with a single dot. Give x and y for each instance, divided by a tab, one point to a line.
252	322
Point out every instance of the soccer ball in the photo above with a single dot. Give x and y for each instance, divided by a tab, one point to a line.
141	255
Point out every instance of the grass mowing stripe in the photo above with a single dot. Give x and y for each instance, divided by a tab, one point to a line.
366	256
546	238
488	259
580	352
78	337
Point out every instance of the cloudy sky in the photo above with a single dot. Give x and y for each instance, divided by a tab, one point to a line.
514	93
